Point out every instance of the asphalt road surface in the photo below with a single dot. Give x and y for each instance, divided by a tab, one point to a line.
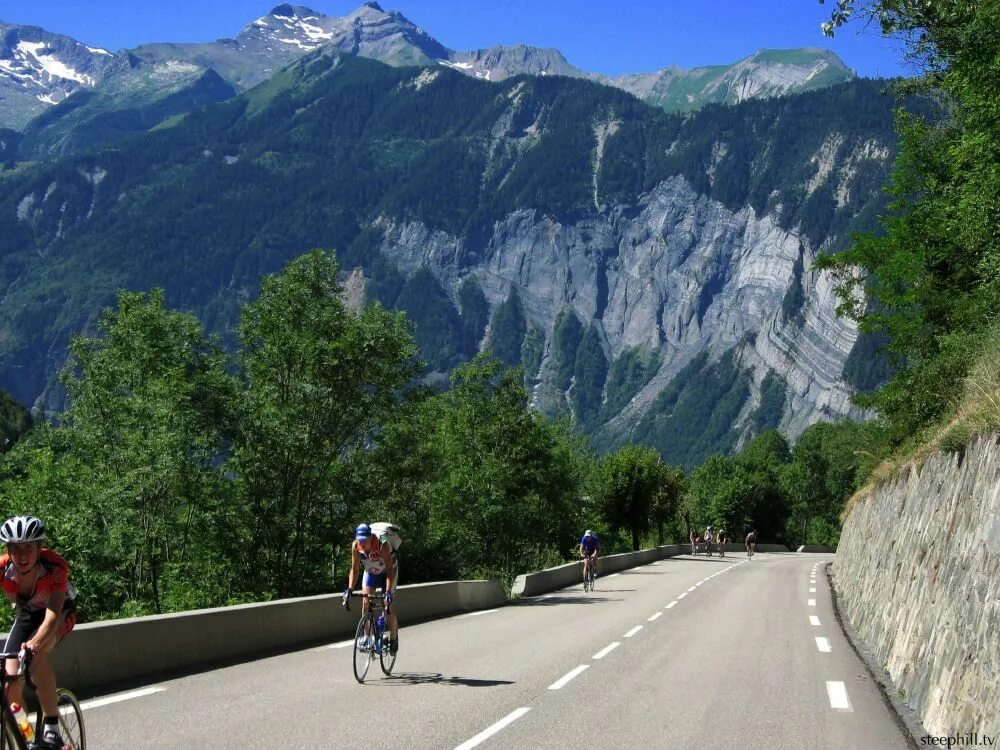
687	652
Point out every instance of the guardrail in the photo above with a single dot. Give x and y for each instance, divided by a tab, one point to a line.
112	652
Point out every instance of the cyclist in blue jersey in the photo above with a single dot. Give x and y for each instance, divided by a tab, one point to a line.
590	545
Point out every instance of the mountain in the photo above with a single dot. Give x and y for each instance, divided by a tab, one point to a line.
39	69
651	271
766	73
138	89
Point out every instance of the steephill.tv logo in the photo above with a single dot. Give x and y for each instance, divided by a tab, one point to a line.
970	739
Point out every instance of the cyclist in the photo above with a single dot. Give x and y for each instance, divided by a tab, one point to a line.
709	538
590	545
722	542
381	571
36	580
751	543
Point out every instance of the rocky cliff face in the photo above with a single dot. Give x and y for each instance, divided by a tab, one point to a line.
918	572
678	274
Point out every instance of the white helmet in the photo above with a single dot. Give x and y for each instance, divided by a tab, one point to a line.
588	532
22	529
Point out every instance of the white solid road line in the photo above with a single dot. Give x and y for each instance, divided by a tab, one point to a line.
567	677
811	602
838	696
606	650
480	612
654	616
490	731
97	702
342	644
823	644
814	621
633	631
672	604
614	575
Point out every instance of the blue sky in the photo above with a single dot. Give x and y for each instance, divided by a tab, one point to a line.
607	36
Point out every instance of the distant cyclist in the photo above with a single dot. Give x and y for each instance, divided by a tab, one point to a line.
722	538
751	543
381	572
590	545
36	580
709	538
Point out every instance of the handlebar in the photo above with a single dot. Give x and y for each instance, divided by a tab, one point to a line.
24	657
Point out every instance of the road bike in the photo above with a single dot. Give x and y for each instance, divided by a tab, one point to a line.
70	713
589	573
372	638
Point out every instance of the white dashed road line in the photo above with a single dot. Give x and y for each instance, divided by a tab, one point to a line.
682	596
672	604
692	588
606	650
811	602
838	696
97	702
654	616
823	644
814	621
490	731
567	677
812	589
633	631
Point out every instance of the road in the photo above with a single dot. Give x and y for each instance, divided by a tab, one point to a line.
685	652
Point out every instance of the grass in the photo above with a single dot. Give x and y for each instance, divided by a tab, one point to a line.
977	412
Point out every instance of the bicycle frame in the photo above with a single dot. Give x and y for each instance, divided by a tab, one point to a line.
10	732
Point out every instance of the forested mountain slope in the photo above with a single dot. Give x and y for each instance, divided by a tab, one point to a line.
611	248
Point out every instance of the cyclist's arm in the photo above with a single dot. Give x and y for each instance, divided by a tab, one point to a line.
355	561
390	568
42	640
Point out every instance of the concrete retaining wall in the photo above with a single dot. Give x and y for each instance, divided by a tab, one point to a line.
543	581
918	575
113	651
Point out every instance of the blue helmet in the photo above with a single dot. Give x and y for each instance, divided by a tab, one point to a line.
363	532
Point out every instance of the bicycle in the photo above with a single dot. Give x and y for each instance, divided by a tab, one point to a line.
589	573
371	638
70	713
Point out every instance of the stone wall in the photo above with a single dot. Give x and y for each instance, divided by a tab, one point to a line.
918	573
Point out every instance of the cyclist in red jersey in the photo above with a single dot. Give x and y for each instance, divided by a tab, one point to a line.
36	580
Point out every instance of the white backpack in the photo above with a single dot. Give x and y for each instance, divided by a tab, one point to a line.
387	532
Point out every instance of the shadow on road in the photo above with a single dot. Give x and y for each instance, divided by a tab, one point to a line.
576	599
436	678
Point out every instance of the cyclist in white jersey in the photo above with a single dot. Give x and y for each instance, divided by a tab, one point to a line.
381	571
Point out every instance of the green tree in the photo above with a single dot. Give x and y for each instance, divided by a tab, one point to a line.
931	279
319	380
148	398
628	481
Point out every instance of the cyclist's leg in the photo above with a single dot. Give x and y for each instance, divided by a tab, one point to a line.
24	626
391	610
42	672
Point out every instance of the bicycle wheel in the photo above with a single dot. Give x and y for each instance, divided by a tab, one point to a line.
364	644
386	659
70	720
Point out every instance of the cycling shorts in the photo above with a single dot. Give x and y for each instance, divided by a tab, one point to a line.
377	580
27	623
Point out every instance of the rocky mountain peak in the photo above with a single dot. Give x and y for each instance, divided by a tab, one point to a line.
39	69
